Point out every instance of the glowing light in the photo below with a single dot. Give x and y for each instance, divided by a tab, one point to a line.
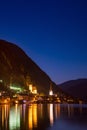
5	101
14	118
1	80
24	101
50	110
5	115
15	88
30	87
50	92
16	102
34	91
30	120
35	114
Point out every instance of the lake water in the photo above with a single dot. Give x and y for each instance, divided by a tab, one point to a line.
43	117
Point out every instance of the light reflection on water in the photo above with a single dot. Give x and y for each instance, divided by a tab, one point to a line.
50	111
14	117
43	117
32	116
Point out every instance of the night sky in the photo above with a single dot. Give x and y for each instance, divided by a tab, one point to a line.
52	32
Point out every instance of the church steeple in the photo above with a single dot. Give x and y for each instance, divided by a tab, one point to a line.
51	91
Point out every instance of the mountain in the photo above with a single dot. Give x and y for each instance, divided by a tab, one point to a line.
17	69
76	88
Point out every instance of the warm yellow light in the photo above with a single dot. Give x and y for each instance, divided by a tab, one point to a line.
30	118
34	91
35	114
16	101
5	115
30	87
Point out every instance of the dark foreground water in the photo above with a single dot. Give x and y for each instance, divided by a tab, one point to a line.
43	117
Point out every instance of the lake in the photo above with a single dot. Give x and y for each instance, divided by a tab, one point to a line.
43	117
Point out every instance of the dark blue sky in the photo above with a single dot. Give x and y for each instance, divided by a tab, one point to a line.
52	32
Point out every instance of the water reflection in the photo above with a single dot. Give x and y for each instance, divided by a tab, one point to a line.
50	110
24	113
35	115
70	110
4	117
57	110
14	117
32	116
40	111
53	112
30	119
43	116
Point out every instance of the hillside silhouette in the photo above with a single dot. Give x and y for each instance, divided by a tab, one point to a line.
18	69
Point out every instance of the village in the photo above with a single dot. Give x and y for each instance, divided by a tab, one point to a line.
30	96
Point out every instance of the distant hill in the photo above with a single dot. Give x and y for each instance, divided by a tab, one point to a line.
18	69
76	88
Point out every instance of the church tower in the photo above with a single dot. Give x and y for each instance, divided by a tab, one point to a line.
51	91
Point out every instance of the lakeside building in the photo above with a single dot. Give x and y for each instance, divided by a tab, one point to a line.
32	89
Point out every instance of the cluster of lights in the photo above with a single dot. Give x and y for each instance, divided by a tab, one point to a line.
15	88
